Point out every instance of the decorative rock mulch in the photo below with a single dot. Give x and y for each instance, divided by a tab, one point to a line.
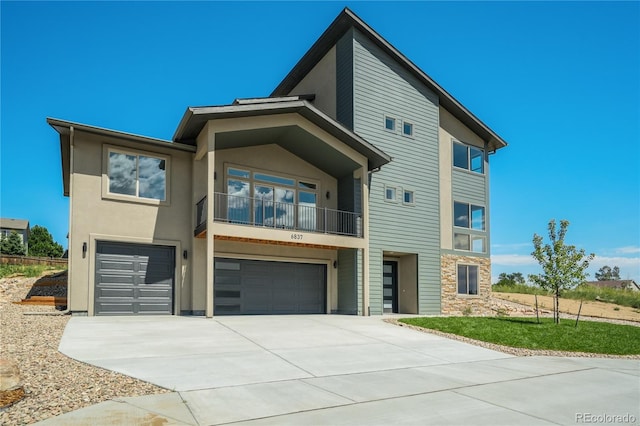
52	383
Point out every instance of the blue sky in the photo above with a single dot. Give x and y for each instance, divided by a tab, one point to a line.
559	81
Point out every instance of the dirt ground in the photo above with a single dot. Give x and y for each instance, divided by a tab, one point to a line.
570	306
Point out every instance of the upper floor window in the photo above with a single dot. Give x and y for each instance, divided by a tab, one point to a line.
390	123
407	128
468	216
468	157
137	175
390	193
408	197
263	198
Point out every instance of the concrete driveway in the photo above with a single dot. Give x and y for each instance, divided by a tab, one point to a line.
333	370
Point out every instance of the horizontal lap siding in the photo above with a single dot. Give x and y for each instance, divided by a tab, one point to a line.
382	87
469	187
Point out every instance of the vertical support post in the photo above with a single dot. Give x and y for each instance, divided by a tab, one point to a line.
211	167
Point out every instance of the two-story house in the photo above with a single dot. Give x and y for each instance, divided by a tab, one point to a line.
359	186
19	226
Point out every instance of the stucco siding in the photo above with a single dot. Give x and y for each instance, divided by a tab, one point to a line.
321	81
96	217
382	87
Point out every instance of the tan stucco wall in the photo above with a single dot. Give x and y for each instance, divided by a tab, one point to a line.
450	129
455	304
95	217
321	81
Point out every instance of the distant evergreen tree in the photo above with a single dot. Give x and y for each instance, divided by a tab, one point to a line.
12	245
41	243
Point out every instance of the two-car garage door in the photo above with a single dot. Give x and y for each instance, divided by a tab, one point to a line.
245	286
134	279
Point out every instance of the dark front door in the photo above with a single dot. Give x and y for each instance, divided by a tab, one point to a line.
390	286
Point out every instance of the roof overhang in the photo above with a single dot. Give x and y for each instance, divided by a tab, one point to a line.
67	129
195	118
17	224
338	28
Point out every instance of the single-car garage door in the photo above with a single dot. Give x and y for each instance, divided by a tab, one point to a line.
134	279
261	287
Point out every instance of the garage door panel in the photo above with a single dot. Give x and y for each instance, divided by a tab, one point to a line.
116	308
115	265
115	279
134	279
115	292
153	292
153	308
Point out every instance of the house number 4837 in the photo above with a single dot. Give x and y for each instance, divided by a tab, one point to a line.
296	236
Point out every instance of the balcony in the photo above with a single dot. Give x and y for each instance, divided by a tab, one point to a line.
267	213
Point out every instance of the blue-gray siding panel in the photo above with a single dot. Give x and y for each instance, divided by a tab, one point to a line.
381	87
344	80
347	281
470	187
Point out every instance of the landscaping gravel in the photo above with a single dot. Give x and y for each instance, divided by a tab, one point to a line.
53	383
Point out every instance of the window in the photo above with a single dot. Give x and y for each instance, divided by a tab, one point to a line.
260	198
468	216
468	157
390	123
469	242
137	175
390	193
408	197
407	129
471	217
468	279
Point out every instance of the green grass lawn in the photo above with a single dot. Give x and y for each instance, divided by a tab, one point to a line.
589	336
26	270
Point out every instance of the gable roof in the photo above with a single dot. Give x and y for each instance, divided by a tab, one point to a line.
7	223
195	118
347	19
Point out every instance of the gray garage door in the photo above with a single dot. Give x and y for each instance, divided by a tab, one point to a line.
261	287
134	279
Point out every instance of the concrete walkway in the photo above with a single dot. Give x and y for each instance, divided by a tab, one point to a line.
335	370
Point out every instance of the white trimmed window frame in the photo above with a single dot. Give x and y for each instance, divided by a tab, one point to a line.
389	118
406	191
411	126
395	190
467	276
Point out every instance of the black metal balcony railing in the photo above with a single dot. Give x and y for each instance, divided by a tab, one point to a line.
265	212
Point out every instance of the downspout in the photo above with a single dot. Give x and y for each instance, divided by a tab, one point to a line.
68	310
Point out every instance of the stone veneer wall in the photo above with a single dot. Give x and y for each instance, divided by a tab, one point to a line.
456	304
